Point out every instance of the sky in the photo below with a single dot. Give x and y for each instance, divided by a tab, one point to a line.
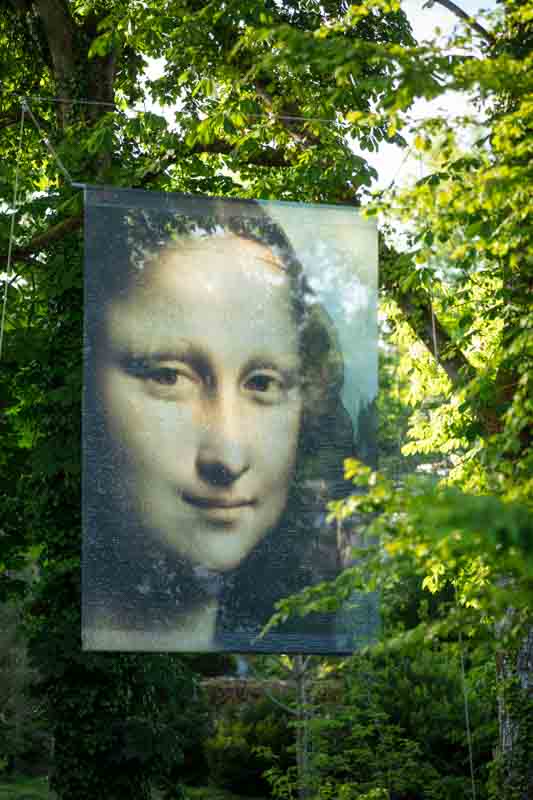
425	20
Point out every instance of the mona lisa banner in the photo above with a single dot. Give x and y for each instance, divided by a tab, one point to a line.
230	368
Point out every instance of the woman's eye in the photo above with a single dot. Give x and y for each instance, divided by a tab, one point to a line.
171	382
162	381
164	376
268	388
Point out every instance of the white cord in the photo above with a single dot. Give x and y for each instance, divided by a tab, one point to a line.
12	229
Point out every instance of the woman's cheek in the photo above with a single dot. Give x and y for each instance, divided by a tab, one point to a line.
140	430
123	404
279	442
143	425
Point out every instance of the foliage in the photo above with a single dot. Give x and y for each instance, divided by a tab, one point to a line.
457	301
469	243
473	556
19	788
394	723
245	740
209	793
228	139
473	553
465	270
269	98
128	731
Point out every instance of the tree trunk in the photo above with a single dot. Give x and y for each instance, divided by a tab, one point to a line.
302	733
515	712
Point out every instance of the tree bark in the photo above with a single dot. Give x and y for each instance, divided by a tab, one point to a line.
455	9
302	731
416	307
515	714
60	33
42	240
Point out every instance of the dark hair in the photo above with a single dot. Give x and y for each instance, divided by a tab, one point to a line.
284	558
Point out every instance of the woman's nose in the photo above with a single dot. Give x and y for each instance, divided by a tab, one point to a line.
222	455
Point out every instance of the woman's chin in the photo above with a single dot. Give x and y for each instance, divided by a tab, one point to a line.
219	562
216	544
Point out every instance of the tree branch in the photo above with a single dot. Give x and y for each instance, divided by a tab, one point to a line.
9	119
60	33
21	6
451	6
42	240
416	307
101	70
415	304
264	158
291	126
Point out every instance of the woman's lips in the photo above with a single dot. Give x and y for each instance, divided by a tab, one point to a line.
219	509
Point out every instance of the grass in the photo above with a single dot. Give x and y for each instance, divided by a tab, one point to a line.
37	789
206	793
20	788
213	793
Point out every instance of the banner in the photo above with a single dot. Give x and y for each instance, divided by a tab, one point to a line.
230	368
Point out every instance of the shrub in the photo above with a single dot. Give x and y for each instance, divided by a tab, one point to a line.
236	752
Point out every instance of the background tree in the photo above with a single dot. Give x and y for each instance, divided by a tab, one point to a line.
458	302
268	99
24	742
81	66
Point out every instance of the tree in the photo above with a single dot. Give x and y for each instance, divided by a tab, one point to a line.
268	96
80	66
23	736
458	296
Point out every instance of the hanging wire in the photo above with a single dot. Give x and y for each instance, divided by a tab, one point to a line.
68	100
431	308
47	142
397	469
12	228
433	328
467	716
84	101
142	109
400	167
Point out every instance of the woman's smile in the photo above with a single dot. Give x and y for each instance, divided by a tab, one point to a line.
201	382
216	502
219	510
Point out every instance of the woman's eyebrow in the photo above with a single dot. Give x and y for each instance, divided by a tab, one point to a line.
182	351
179	348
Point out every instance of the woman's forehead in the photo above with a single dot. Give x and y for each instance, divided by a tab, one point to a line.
205	291
217	259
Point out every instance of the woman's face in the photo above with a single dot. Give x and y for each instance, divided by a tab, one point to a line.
200	377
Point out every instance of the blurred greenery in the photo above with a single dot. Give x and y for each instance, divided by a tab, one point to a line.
21	788
267	100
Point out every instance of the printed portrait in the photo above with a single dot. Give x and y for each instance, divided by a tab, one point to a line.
230	369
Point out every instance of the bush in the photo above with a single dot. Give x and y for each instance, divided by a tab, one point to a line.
232	752
399	723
